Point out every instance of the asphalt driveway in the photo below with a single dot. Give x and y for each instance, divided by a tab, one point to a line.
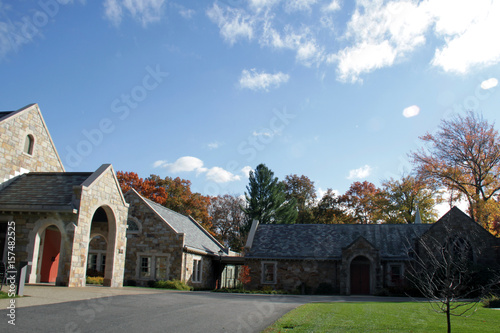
160	312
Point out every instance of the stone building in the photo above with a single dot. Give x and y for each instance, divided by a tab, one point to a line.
354	259
165	245
56	213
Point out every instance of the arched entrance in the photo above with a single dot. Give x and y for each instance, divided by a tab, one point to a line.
360	276
102	243
50	254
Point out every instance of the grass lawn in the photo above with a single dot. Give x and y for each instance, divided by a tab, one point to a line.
383	317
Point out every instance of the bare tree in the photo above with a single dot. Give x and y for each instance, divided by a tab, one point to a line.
443	270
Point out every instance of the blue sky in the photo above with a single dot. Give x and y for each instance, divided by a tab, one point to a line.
338	90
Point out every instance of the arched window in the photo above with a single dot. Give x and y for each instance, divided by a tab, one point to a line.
460	249
29	143
132	226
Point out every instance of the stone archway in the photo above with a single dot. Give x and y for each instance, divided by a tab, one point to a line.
360	276
103	223
47	242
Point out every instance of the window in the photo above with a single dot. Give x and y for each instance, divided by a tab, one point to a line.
28	144
132	226
145	267
396	275
103	264
196	270
151	266
269	272
92	261
161	271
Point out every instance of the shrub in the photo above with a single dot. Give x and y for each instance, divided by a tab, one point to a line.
95	280
326	289
172	284
492	301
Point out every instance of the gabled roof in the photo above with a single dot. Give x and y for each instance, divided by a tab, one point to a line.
4	115
42	191
326	241
196	237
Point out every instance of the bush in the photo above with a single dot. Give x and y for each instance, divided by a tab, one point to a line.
172	284
95	280
492	301
326	289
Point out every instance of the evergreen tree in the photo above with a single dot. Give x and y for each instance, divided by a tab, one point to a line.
266	199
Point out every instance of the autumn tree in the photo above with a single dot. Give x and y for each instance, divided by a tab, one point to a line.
331	210
464	156
228	218
360	201
146	187
172	193
302	190
398	200
266	199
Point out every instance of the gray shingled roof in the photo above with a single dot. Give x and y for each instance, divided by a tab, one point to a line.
42	191
195	236
5	114
326	241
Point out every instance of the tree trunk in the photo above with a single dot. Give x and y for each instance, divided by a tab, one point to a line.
448	321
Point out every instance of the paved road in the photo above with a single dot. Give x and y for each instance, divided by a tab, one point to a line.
160	312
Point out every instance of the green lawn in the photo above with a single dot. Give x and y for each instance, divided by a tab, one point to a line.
383	317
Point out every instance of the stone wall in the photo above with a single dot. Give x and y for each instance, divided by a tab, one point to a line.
30	229
207	276
153	238
302	276
13	133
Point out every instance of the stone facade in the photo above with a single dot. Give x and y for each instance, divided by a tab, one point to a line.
39	196
165	245
152	239
13	158
301	276
356	259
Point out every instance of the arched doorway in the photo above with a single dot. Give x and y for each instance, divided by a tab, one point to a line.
50	254
102	243
360	276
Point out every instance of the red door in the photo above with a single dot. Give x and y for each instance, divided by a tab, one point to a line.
50	259
360	277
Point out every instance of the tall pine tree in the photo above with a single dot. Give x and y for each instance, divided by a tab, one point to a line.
266	199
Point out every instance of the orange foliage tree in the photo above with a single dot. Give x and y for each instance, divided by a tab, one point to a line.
172	193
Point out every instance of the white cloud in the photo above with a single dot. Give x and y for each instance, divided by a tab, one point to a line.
364	58
186	13
360	173
194	164
470	32
219	175
213	145
144	11
490	83
246	171
233	23
299	5
183	164
332	6
411	111
380	34
261	81
261	4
